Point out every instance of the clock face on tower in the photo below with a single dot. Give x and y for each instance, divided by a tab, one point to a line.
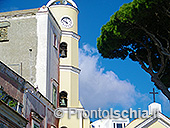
66	22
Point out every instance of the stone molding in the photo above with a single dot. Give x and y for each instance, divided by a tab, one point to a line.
20	13
72	68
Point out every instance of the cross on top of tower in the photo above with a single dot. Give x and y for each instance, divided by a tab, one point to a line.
154	93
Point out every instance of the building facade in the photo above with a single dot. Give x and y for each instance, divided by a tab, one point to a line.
40	47
21	105
30	47
110	123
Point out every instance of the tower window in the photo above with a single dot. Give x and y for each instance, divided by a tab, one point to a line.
63	50
114	125
36	119
63	99
119	125
54	95
55	44
55	40
4	30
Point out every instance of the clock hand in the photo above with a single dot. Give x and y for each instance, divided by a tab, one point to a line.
65	21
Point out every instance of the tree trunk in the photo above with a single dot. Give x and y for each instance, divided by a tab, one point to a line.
161	86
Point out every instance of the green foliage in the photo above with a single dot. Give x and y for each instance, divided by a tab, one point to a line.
2	94
8	99
140	30
12	103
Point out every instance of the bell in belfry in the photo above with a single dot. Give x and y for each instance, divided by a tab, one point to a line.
63	103
63	50
63	54
63	99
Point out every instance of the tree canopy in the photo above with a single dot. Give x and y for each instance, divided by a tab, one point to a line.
140	30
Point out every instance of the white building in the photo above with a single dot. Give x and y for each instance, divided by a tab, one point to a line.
111	123
156	119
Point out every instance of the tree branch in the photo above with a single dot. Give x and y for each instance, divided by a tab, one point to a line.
167	12
162	62
165	40
156	40
161	86
166	60
149	54
148	70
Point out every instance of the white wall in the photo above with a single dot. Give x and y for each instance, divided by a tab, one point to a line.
47	55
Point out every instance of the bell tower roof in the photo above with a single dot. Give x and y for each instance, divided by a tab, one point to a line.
61	2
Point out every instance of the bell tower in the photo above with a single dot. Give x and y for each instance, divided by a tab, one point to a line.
65	12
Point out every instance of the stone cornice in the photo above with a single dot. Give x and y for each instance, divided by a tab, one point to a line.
72	68
70	33
11	74
19	13
36	116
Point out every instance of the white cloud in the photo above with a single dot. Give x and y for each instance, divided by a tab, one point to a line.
100	88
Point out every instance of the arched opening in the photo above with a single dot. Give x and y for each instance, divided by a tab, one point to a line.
52	2
63	50
63	99
63	127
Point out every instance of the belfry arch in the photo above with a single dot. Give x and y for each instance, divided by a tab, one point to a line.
52	2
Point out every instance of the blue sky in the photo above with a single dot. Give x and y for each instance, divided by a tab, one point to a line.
104	83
